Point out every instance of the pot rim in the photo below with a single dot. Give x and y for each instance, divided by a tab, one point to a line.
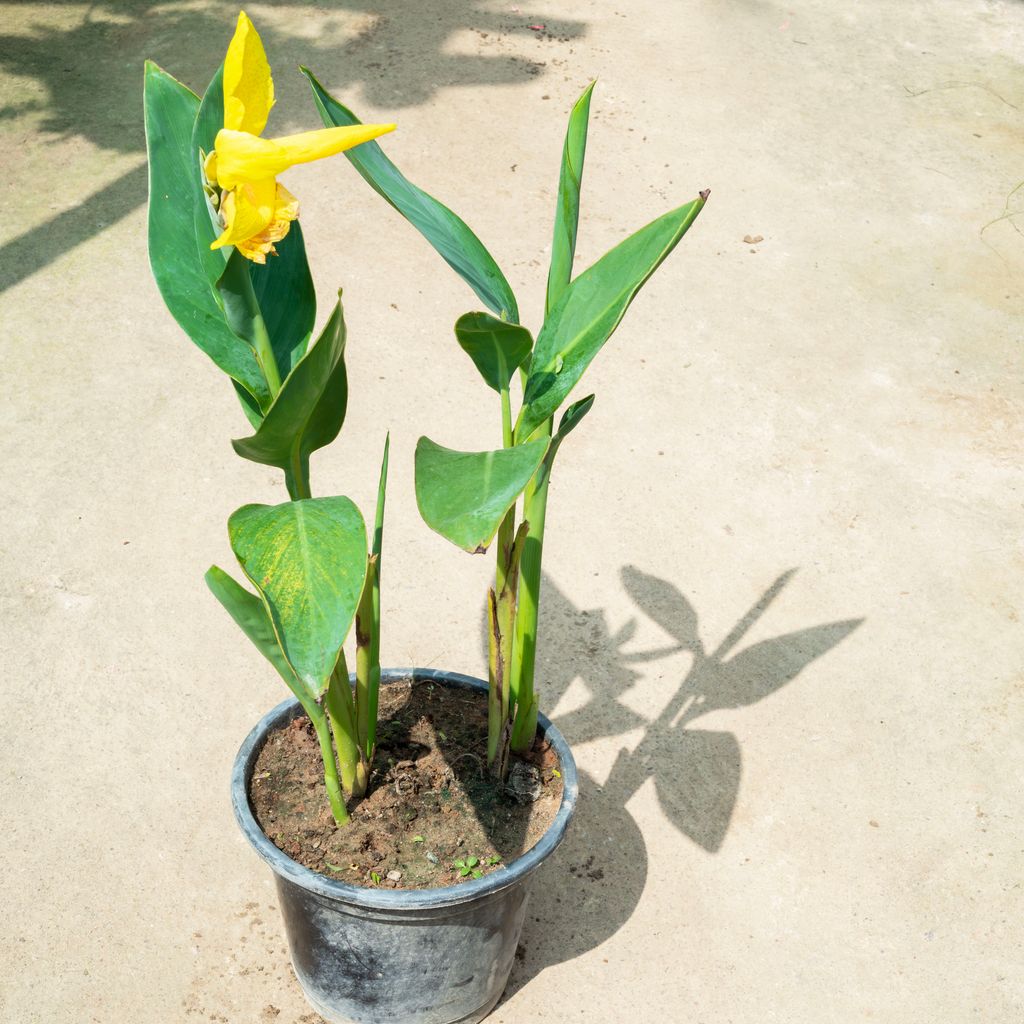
399	899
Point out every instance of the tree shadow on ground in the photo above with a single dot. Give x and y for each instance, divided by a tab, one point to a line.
88	66
596	879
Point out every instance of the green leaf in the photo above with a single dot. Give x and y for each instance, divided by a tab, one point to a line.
310	407
567	212
571	418
497	347
589	311
445	231
251	615
171	111
209	121
308	561
464	495
569	421
238	300
284	290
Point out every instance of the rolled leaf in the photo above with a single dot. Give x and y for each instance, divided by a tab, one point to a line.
377	546
464	495
310	407
444	230
567	212
496	347
171	111
589	311
307	559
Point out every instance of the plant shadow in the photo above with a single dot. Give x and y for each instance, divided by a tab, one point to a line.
598	875
85	75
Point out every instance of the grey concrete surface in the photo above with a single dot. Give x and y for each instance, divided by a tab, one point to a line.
839	837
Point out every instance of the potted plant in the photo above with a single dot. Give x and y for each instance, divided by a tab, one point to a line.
229	259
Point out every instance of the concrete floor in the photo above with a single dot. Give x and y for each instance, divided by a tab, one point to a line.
839	837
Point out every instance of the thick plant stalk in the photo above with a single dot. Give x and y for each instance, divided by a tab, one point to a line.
341	709
365	668
502	617
524	652
373	689
296	478
323	734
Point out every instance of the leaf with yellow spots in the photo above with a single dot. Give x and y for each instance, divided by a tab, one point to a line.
307	559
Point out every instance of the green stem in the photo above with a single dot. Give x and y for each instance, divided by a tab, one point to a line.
265	355
364	656
378	551
495	680
499	634
524	652
323	734
506	418
260	336
296	477
341	709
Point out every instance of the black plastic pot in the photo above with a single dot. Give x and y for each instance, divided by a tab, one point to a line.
386	956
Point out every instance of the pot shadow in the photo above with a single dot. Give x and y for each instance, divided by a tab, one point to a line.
82	74
597	877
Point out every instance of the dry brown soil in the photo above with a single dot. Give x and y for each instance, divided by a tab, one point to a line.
430	802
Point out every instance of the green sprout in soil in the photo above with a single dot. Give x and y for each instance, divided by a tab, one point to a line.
469	867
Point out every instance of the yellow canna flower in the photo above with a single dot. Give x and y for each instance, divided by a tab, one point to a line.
256	210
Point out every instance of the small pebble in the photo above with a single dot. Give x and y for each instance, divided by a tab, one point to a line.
432	857
395	876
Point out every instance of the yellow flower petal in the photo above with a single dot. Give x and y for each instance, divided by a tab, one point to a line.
242	156
247	211
248	87
258	246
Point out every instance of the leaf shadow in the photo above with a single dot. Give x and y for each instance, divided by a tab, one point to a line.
598	875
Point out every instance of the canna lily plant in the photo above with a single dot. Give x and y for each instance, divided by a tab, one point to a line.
471	498
229	259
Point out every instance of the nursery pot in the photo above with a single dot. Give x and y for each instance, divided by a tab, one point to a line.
387	956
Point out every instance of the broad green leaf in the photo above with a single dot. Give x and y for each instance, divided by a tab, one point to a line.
464	495
308	561
283	285
589	311
444	230
310	407
497	347
567	212
252	617
171	111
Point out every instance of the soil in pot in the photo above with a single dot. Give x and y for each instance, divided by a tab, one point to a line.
431	801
